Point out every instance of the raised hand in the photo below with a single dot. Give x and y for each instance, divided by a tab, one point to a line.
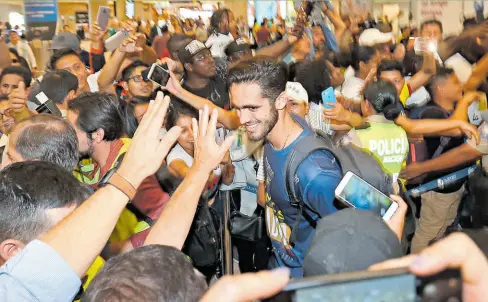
17	98
129	45
97	33
208	154
148	150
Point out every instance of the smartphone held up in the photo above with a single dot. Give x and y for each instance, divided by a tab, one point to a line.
357	193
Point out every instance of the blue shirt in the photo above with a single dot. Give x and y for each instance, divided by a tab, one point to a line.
38	273
318	176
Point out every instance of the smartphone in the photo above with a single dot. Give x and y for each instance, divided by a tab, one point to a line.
422	45
114	41
387	285
159	74
103	17
355	192
328	96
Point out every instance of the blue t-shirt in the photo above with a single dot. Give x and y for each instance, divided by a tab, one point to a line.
318	176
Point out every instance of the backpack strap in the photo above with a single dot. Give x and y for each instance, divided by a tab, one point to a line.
300	151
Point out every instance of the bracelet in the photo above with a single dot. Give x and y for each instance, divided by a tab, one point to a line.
122	185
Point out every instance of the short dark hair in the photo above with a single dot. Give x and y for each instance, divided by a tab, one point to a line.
441	75
59	54
363	54
149	273
99	110
177	109
315	78
28	190
22	72
177	41
432	22
389	65
127	72
270	75
48	138
57	84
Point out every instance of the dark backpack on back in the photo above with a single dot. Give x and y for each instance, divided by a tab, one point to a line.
418	151
349	158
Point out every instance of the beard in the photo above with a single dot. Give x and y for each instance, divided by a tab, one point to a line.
268	125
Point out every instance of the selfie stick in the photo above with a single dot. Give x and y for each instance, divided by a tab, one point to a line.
442	182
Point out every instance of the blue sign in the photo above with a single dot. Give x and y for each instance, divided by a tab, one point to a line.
41	17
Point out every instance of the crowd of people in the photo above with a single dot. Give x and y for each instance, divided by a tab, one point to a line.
115	183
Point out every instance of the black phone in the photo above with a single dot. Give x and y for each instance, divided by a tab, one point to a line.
397	285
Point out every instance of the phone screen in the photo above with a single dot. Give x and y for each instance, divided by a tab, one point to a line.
361	195
400	288
160	74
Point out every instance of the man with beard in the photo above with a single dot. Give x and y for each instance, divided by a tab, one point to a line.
257	89
97	119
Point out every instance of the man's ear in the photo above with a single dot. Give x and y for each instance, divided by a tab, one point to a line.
188	66
98	135
10	248
281	101
361	65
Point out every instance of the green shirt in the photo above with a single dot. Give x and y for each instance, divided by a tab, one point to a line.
386	141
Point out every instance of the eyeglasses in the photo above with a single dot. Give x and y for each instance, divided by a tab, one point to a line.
138	78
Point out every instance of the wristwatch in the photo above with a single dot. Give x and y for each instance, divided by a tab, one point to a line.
119	182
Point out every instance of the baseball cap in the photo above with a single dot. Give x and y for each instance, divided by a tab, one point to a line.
295	91
65	40
373	36
185	53
350	240
237	45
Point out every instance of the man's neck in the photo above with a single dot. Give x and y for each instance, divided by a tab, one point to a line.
362	75
446	104
101	152
195	81
285	132
14	43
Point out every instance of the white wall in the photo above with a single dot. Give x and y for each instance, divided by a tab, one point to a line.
5	9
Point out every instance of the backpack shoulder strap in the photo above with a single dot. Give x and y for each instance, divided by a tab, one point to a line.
300	151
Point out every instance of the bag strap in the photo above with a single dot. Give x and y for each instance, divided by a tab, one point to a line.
300	151
444	142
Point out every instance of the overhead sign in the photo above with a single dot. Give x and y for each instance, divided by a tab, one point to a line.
82	18
41	17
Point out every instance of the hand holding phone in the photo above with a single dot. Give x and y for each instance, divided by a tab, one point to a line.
114	41
328	98
159	74
355	192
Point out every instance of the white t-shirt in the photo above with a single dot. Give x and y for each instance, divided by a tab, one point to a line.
179	153
351	88
217	44
93	82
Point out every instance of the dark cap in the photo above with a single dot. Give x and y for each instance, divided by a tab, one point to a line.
237	45
350	240
186	53
65	40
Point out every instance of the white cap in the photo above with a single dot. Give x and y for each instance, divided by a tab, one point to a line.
295	91
373	36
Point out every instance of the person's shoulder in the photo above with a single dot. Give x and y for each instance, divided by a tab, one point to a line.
319	161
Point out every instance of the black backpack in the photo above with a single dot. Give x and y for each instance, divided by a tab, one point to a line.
203	242
349	158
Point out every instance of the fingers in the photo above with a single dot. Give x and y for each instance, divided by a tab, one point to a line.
394	263
228	142
194	127
168	141
212	126
203	122
248	287
402	205
21	86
